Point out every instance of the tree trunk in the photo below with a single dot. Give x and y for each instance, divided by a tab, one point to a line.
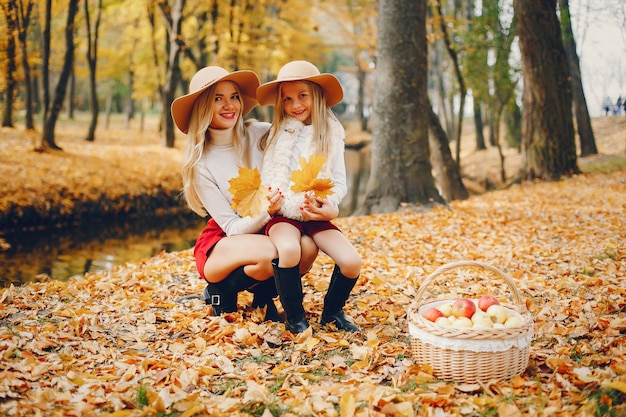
401	169
24	14
478	123
130	103
45	60
173	18
10	13
447	171
548	144
92	60
360	107
153	42
583	122
443	26
70	92
61	89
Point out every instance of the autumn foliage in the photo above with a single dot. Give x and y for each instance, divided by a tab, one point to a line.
135	342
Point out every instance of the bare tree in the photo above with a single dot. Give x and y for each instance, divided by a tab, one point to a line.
583	121
47	140
548	144
447	171
443	27
173	18
45	59
401	169
10	13
24	13
92	59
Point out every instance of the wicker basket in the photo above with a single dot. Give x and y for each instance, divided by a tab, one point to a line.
470	355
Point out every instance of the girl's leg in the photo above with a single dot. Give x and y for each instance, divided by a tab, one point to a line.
345	274
308	255
254	252
333	243
286	238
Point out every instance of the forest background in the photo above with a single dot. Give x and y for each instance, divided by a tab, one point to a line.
473	58
137	341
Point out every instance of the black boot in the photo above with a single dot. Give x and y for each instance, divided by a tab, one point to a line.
289	286
335	299
264	294
223	295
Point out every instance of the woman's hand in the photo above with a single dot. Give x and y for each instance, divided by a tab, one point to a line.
275	197
316	208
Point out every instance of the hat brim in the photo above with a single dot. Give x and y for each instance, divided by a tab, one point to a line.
267	93
246	80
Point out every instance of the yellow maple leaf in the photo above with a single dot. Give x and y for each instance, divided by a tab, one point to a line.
305	179
249	195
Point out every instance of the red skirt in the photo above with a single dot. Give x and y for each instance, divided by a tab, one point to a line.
306	228
207	240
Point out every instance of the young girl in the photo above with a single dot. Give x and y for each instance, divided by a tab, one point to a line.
230	253
303	126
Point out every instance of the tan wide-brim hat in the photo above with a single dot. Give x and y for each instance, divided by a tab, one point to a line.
247	81
301	71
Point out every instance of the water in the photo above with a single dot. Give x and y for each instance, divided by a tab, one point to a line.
63	253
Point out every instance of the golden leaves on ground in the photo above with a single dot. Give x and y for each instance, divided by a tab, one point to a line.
128	343
305	179
121	172
249	195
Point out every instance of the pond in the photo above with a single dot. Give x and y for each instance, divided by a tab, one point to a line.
63	253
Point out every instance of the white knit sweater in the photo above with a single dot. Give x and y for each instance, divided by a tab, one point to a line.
281	157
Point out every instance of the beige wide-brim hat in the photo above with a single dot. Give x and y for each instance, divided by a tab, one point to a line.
247	81
301	71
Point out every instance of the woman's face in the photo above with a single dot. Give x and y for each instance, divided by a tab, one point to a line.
297	100
227	105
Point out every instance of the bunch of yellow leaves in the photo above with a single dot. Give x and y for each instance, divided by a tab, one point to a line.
250	196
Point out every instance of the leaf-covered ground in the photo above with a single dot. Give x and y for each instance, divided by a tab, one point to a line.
125	171
128	343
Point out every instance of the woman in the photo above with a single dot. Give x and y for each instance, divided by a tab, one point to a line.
232	254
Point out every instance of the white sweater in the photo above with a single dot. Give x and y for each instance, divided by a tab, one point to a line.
218	165
282	157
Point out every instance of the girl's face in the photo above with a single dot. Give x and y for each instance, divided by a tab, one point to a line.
297	100
227	105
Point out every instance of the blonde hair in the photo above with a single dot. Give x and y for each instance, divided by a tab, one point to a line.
320	114
198	139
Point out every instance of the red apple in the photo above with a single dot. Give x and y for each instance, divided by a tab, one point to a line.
486	301
463	307
433	314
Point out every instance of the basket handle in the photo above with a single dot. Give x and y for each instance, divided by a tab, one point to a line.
517	296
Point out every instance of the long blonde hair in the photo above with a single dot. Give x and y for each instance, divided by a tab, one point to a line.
320	116
198	139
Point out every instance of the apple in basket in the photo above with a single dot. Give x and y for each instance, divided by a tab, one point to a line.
433	313
463	307
486	301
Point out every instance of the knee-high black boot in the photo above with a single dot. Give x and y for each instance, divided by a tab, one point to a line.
335	299
264	294
223	295
289	286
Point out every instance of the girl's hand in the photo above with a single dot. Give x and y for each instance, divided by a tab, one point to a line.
316	208
275	197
